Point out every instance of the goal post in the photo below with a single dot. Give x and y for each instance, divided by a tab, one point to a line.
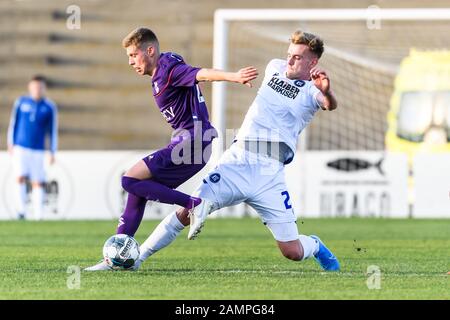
368	54
373	16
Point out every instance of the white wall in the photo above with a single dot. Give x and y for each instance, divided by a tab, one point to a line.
375	185
432	185
89	184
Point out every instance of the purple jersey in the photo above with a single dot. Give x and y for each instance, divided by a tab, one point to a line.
177	93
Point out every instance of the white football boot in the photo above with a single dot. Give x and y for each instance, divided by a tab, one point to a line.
198	216
101	266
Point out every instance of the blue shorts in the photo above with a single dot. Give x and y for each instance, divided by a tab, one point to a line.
178	161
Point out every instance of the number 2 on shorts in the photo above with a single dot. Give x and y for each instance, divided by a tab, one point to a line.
286	201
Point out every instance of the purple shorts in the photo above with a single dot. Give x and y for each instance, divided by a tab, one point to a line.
178	161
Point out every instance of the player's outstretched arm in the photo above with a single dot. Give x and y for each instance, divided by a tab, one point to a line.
243	76
326	97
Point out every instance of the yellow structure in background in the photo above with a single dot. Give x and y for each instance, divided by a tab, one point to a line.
419	115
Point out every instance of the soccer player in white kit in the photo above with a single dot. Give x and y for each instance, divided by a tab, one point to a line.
252	169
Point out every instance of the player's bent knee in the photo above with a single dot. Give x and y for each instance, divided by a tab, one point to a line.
291	250
127	183
139	171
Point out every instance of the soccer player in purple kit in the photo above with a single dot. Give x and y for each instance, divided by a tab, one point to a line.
181	103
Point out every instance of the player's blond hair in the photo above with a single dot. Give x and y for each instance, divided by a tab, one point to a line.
314	43
139	36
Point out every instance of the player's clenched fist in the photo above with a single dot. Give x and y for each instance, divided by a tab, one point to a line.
320	78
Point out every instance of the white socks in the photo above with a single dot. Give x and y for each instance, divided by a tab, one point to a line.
38	202
164	234
37	196
21	198
170	227
310	246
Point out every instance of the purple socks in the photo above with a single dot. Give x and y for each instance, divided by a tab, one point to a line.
155	191
139	191
131	218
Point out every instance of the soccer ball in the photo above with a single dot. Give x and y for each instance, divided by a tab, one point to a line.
121	251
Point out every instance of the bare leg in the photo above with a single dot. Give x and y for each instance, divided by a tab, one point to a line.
292	250
139	171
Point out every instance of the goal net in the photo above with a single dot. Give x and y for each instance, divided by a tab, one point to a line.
362	56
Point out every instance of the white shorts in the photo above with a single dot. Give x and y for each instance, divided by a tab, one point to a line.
29	163
242	176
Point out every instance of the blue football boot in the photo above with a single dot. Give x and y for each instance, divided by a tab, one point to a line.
325	257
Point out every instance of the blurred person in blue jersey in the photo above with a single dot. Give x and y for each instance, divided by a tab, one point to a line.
34	117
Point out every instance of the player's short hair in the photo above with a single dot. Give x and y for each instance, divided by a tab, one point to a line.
139	36
40	78
314	43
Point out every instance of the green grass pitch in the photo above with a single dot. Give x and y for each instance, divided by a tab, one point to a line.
232	259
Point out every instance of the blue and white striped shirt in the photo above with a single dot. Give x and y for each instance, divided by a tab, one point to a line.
31	121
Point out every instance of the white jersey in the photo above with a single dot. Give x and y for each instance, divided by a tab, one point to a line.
282	108
280	111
